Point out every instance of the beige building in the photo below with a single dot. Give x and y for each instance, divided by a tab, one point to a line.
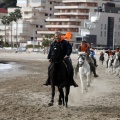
70	16
34	14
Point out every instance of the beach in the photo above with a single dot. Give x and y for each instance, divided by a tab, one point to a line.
24	97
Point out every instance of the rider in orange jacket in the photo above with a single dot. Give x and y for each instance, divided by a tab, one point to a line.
85	47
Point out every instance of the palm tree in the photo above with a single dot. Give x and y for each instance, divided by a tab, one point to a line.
18	15
5	22
11	19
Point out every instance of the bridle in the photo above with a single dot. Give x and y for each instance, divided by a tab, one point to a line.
83	60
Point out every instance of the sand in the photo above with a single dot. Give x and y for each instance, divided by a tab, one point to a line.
23	96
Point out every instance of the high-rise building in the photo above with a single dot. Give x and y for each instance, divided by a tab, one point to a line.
70	16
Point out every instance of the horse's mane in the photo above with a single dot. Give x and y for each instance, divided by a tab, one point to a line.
81	53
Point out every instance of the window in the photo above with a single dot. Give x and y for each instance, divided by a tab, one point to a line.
119	27
101	34
119	19
31	38
41	26
46	14
50	2
50	14
50	8
36	26
105	34
101	26
45	20
105	26
118	34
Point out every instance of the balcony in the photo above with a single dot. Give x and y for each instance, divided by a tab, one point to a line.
73	7
62	19
42	10
28	9
71	13
29	16
62	26
24	34
34	22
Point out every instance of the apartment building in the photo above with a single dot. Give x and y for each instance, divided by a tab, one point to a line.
34	14
103	28
70	15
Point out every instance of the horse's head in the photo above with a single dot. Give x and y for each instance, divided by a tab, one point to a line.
82	58
56	53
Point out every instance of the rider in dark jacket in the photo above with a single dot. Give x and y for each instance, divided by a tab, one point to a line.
66	50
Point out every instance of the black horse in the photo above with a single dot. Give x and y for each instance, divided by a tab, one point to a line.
58	75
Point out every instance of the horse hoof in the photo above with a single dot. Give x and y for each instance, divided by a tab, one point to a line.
88	85
59	103
50	104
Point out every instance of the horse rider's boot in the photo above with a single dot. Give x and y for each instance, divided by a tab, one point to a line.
47	82
73	81
94	72
92	67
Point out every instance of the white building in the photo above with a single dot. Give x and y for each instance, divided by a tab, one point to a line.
70	16
34	14
103	28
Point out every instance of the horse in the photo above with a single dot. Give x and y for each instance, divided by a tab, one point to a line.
110	61
84	71
116	63
101	58
59	75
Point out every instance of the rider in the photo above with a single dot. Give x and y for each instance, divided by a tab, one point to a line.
85	47
93	56
66	50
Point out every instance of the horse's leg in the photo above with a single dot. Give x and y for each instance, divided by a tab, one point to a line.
61	96
53	94
82	83
88	80
67	91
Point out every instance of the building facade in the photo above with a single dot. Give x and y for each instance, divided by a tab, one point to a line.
34	14
103	28
70	16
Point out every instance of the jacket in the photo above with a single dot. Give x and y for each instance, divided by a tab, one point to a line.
66	48
84	49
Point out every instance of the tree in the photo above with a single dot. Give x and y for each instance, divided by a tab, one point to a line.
5	21
18	15
1	41
11	19
47	41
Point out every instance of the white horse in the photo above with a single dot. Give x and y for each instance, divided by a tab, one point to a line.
116	63
84	71
110	61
